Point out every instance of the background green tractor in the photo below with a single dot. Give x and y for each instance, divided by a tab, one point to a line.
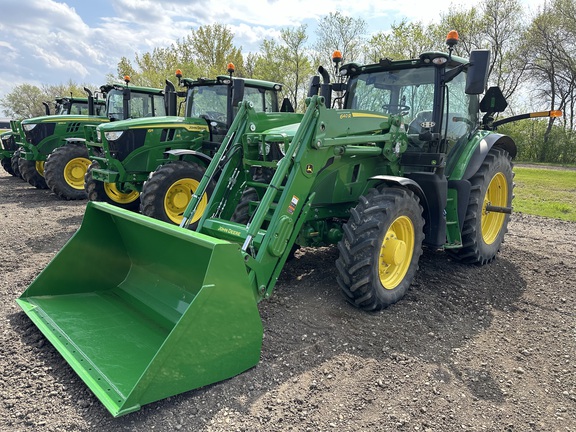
406	162
7	146
54	153
165	158
63	106
10	140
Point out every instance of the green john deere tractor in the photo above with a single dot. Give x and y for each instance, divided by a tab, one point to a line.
155	165
7	149
10	140
54	154
405	163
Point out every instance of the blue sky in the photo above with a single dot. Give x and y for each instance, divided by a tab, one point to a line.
51	42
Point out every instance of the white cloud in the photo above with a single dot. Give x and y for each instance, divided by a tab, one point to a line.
48	42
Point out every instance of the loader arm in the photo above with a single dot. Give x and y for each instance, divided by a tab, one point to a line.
266	240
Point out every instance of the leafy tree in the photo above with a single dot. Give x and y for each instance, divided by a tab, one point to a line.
404	41
204	52
286	62
339	32
212	48
496	25
550	42
25	100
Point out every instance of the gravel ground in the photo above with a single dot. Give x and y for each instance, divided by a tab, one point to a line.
468	349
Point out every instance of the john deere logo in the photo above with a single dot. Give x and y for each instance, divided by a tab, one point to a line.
309	168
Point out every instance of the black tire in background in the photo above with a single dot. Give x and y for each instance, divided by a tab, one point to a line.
65	169
7	165
14	162
32	172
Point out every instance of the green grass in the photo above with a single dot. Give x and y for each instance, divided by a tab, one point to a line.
545	192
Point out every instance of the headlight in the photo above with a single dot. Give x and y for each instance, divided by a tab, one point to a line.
113	136
29	126
98	135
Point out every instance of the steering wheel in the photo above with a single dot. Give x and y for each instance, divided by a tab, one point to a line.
397	108
216	116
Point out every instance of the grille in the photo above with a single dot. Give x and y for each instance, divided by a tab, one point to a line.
130	140
9	143
73	127
41	131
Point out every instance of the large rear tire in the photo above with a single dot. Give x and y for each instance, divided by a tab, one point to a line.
32	172
108	192
381	247
65	169
168	190
483	232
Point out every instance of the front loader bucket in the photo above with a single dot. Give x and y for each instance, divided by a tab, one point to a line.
143	310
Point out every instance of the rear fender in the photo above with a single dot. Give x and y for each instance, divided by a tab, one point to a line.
470	160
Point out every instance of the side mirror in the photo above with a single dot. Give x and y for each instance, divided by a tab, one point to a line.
91	109
477	77
237	91
314	86
286	106
493	101
170	99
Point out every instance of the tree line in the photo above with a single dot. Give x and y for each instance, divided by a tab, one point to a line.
532	61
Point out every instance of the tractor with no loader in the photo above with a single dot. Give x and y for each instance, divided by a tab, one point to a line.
155	165
54	154
406	162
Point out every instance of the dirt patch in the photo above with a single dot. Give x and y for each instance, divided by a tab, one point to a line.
469	348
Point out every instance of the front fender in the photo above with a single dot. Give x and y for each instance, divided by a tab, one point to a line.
185	152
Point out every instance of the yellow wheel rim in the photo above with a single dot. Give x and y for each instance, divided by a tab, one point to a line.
118	196
496	195
74	172
178	197
40	167
396	252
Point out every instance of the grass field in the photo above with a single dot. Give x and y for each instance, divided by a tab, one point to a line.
545	192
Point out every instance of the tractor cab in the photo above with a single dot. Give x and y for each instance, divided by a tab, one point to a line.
124	101
216	100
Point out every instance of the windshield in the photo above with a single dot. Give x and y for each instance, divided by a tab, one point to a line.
210	102
410	92
139	105
407	91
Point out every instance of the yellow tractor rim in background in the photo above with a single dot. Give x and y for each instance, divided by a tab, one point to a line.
118	196
74	172
396	252
177	198
496	195
40	167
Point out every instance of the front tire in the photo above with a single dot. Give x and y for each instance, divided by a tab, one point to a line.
7	165
167	192
32	172
65	169
14	162
381	247
108	192
483	232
